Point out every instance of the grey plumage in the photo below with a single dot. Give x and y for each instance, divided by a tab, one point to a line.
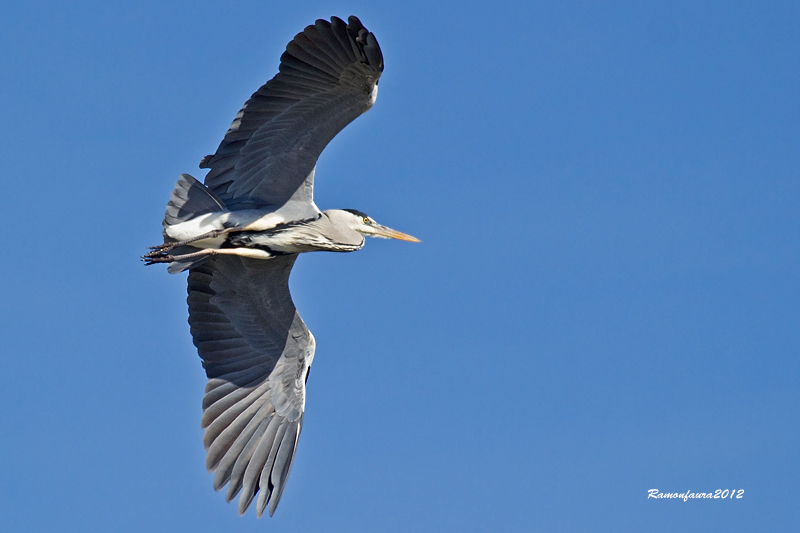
256	351
239	236
326	80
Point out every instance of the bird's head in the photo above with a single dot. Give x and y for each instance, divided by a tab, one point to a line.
366	225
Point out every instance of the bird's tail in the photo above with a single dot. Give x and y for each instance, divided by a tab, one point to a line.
189	199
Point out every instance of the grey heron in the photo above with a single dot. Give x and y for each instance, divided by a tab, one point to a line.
239	236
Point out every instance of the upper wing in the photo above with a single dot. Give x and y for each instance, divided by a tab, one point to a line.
328	77
257	353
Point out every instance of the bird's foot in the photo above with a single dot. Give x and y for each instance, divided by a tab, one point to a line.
160	253
163	248
157	257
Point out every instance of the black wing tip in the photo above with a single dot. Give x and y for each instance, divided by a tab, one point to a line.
364	39
354	22
367	42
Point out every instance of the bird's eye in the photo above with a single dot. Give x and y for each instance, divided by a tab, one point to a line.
366	220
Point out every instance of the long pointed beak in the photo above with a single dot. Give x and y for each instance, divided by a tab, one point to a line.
389	233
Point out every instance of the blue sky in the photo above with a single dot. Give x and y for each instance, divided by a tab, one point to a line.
605	300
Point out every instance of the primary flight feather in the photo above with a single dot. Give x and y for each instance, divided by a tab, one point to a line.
239	236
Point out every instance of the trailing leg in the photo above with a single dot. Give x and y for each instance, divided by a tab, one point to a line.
167	246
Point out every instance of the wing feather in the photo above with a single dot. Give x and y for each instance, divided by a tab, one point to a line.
239	467
237	448
276	477
256	351
221	444
304	50
325	80
325	39
226	404
262	460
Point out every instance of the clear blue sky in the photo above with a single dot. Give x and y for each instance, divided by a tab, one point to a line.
605	301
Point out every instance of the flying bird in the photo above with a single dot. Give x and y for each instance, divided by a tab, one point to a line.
239	236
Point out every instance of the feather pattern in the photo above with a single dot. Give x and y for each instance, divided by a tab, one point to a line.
257	352
255	348
326	79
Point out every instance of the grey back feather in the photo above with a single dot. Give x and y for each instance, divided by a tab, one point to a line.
326	80
256	351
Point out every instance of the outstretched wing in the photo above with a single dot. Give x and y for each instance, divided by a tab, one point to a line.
328	77
257	352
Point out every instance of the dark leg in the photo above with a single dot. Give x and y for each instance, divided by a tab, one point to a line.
166	258
167	246
151	258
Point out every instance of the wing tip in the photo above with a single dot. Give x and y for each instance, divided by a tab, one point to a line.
364	39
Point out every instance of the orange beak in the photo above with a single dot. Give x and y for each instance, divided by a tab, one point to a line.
389	233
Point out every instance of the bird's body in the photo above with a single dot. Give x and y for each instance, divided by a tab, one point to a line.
239	236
